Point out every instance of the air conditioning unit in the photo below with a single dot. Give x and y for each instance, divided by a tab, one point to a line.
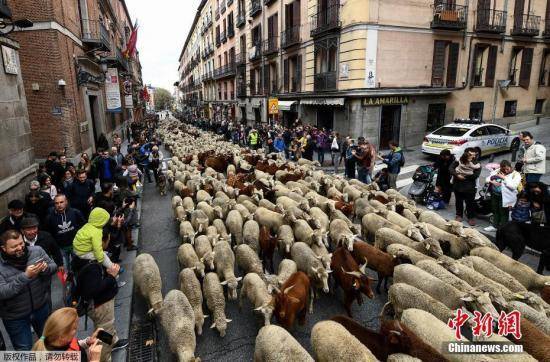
83	127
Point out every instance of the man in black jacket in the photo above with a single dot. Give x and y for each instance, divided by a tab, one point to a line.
81	193
62	223
15	215
25	277
34	237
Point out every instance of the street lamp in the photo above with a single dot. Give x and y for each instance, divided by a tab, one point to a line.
502	84
7	25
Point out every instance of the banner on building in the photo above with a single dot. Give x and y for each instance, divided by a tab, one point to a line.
129	101
112	91
9	55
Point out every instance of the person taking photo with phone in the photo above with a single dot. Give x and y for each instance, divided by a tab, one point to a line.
25	277
59	335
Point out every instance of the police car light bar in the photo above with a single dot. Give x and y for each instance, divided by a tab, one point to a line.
468	120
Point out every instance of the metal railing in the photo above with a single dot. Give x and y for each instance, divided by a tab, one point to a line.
255	52
222	7
241	90
271	45
218	42
217	14
274	87
227	70
449	16
94	32
290	36
491	21
526	25
295	84
230	31
324	81
546	32
240	58
255	7
325	20
223	38
268	2
240	19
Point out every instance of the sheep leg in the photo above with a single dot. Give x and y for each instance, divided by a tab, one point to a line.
380	283
540	267
386	283
302	316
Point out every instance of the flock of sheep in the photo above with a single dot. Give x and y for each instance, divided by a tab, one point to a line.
236	207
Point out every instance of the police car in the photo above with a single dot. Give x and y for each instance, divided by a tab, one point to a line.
462	134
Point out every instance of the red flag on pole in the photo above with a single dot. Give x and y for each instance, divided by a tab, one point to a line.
132	42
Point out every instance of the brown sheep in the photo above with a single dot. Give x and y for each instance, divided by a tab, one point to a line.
377	260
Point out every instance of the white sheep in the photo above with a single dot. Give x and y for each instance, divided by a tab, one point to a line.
202	195
148	281
199	220
537	318
204	251
272	220
234	223
404	296
371	223
176	201
215	301
387	236
303	232
211	212
219	224
332	342
187	232
251	234
224	259
491	271
191	287
275	344
187	258
406	253
248	260
307	261
322	254
255	290
340	234
438	271
285	238
178	321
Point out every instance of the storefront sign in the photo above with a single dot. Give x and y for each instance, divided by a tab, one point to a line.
323	101
385	101
128	101
10	60
273	106
112	91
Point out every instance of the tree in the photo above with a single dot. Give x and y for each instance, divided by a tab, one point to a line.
163	99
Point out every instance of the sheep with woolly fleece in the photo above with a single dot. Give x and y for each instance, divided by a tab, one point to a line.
180	214
219	224
275	344
224	259
458	246
303	232
255	290
272	220
386	236
287	267
202	195
215	301
406	213
211	212
435	333
187	232
490	271
178	321
362	207
403	296
337	214
187	258
307	262
523	274
438	271
212	234
352	193
322	254
199	220
204	251
331	342
245	214
176	201
251	235
293	185
191	287
148	281
335	194
265	203
234	223
402	357
340	234
248	260
188	204
285	238
370	223
320	218
405	253
537	318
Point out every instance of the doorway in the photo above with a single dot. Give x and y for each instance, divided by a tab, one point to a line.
390	120
257	116
325	118
94	113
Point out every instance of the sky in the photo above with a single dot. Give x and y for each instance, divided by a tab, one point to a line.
163	28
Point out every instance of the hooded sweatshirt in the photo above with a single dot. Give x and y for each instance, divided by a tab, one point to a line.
64	225
89	237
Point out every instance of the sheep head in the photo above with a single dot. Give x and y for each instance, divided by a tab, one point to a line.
413	232
432	247
321	274
456	227
267	311
478	299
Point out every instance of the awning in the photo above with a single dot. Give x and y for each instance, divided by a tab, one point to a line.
323	101
286	105
256	103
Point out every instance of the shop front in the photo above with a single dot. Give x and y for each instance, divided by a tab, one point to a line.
328	113
288	112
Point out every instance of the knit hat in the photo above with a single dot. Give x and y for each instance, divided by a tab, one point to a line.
133	171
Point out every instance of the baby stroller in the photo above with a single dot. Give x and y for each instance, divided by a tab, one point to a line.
483	198
423	183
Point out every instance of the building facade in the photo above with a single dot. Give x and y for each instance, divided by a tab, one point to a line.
382	69
78	83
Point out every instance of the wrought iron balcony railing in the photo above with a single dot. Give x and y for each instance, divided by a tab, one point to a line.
325	20
491	21
449	16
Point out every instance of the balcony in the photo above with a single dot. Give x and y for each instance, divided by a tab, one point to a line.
218	42
229	2
223	38
491	21
324	81
226	71
230	32
255	7
449	17
240	20
270	46
217	14
526	25
268	2
207	25
546	32
295	84
274	87
255	52
207	76
222	8
240	58
290	36
95	35
325	20
241	90
254	89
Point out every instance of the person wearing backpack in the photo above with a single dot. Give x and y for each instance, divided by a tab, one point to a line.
395	160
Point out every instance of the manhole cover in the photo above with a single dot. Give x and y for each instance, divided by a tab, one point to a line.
143	341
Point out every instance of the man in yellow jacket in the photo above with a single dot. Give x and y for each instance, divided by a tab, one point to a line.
87	243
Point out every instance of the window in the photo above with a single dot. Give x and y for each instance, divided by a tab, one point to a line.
256	36
485	59
451	131
510	108
544	76
539	105
520	66
292	74
476	110
494	130
436	116
325	55
480	132
445	63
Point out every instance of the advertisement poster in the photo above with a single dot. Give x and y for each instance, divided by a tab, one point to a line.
112	91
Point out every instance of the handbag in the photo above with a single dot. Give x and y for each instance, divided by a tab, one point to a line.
334	145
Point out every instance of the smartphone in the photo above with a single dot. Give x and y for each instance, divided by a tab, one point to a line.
38	261
105	337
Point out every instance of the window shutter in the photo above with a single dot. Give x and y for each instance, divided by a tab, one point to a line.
491	66
275	25
288	16
475	65
299	73
526	63
285	75
453	65
266	78
296	13
438	66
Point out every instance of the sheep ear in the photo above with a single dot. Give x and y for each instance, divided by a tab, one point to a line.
206	316
193	268
239	279
228	320
314	269
258	309
547	283
467	299
213	325
224	282
201	259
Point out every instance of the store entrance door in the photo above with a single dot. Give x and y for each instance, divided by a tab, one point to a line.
390	121
325	118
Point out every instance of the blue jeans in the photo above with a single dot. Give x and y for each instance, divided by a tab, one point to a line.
363	175
533	177
321	156
66	254
19	330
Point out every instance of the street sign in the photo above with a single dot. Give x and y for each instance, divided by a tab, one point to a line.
273	106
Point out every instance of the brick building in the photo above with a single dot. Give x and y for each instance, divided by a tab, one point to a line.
65	57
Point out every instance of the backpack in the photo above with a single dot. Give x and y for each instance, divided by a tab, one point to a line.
402	160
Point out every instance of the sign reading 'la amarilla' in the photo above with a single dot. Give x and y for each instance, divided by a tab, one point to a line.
385	101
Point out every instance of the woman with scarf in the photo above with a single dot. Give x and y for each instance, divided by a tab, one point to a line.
465	173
